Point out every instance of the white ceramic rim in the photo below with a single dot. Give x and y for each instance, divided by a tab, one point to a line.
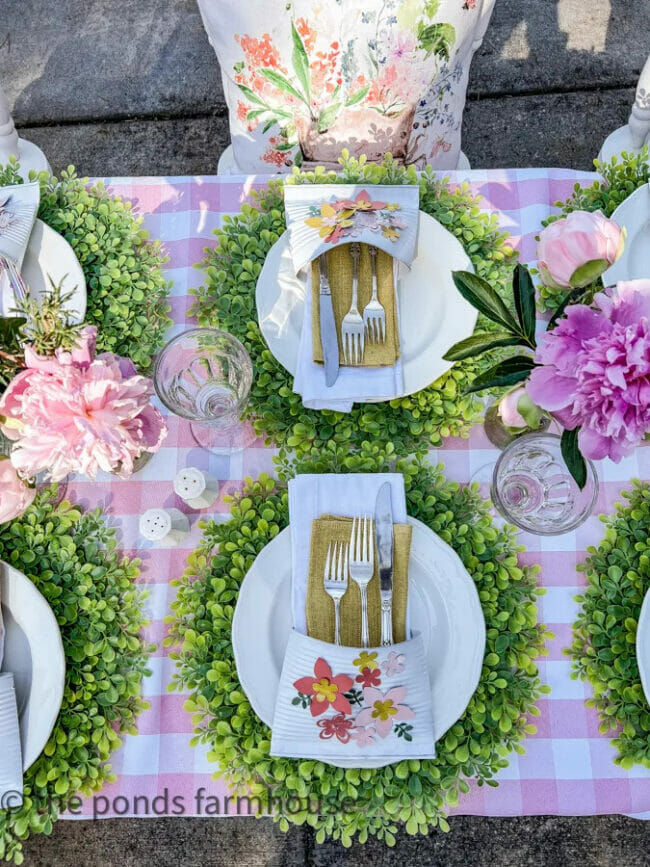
30	611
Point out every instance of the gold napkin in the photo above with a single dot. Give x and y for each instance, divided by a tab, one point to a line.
320	607
339	265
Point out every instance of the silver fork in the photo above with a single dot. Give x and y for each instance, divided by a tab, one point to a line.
335	580
14	278
362	565
374	315
352	333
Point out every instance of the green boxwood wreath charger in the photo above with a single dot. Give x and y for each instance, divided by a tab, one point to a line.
227	300
127	293
604	643
70	556
415	793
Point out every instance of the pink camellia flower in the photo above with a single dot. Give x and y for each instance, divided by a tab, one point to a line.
15	496
382	710
594	371
76	413
575	250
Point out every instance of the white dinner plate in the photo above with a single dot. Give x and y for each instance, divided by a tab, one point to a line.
48	255
433	314
634	215
643	645
33	653
443	606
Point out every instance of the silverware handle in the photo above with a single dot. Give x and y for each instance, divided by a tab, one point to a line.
373	259
365	634
386	622
337	621
355	287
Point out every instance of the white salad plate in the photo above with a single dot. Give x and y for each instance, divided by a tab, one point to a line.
634	215
433	315
443	606
643	645
33	653
49	255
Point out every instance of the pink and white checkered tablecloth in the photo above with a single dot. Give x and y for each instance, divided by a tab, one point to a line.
567	767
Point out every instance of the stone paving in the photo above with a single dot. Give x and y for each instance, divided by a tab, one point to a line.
119	87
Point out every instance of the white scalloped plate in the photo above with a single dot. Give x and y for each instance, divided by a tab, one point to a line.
433	314
643	645
48	255
33	653
443	606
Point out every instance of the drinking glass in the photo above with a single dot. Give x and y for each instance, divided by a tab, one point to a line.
533	489
205	375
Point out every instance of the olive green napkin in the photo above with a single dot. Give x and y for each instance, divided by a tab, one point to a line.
339	265
320	607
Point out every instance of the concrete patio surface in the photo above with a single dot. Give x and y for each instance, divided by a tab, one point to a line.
119	87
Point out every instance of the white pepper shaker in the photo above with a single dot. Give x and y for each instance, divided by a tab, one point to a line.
165	527
198	489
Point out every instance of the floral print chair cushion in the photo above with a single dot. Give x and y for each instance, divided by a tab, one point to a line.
305	79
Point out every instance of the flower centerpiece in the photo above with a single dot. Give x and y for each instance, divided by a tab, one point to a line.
591	368
66	409
78	412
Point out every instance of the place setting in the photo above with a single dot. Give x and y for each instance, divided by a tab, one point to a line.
356	299
358	634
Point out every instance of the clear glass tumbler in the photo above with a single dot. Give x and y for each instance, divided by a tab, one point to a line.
204	375
533	489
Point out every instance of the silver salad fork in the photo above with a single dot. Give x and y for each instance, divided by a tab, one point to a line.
352	334
335	580
362	566
374	315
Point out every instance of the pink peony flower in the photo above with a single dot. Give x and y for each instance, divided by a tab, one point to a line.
15	496
595	371
382	710
575	250
75	413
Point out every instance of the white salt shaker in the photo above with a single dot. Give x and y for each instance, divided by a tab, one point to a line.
198	489
166	527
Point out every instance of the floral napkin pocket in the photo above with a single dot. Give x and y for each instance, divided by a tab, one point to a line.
322	216
18	209
344	704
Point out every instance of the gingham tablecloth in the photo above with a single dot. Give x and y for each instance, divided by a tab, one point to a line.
567	767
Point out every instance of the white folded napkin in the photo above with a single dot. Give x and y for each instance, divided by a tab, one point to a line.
354	384
349	495
344	704
2	635
11	764
18	209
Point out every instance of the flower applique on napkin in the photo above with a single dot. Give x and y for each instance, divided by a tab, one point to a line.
364	711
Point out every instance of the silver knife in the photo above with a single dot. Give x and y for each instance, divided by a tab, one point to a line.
384	531
329	340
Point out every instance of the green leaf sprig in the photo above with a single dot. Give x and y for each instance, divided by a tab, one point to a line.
516	329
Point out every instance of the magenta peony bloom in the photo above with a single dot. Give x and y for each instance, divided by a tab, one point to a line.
575	250
76	413
15	496
595	371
